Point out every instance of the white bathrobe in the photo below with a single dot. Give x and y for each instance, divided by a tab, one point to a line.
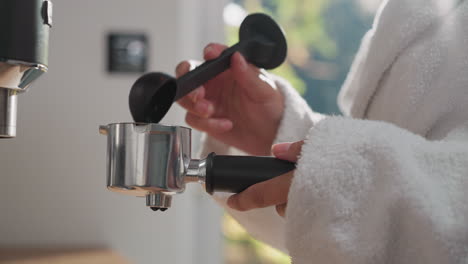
387	183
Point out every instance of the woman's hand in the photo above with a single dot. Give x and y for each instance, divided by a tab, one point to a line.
240	107
273	192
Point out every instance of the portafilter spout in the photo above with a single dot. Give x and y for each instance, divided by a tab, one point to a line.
154	161
261	42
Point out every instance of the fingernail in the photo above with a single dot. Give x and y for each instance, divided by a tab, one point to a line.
194	96
179	68
204	108
201	107
281	148
231	202
242	62
182	67
225	125
207	49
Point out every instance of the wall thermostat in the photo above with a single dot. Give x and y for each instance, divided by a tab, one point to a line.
127	53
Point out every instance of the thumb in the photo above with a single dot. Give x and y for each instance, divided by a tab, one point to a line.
256	85
288	151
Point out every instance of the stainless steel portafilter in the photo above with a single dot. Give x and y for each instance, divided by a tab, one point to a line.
154	161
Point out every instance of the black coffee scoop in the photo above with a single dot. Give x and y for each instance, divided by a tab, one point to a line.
261	42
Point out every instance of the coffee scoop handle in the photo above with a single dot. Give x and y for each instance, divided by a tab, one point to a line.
236	173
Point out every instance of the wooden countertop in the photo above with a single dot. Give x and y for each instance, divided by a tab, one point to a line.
59	256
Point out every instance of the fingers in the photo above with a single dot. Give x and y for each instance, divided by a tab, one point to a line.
281	209
182	69
201	107
213	50
186	66
264	194
257	86
194	102
209	125
288	151
273	192
189	102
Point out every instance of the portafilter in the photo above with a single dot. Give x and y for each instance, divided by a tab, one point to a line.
154	161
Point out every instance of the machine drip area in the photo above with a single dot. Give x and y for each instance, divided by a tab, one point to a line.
147	159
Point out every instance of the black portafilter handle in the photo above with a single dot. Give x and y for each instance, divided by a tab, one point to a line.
234	174
261	42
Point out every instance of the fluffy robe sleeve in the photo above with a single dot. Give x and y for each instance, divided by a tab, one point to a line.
371	192
366	192
265	224
378	192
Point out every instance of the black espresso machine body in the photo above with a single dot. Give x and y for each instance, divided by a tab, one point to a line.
24	48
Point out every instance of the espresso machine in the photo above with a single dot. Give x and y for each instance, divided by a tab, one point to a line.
152	160
24	43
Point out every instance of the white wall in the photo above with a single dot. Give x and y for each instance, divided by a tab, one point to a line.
53	174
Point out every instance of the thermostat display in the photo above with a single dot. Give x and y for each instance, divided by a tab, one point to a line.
127	53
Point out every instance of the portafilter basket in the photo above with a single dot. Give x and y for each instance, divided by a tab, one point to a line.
154	161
